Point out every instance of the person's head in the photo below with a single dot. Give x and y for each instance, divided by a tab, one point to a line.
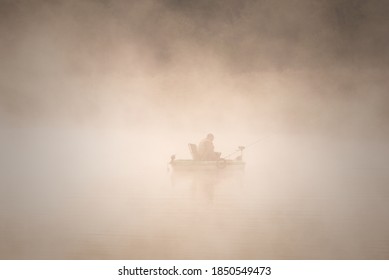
210	137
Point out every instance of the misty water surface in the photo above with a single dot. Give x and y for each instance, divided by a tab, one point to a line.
97	195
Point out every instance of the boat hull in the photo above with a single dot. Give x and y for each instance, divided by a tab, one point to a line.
198	165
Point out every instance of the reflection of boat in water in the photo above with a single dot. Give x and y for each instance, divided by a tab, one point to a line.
195	164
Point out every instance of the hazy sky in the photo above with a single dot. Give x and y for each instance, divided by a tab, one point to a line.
303	63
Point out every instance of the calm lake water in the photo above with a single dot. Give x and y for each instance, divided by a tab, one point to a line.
301	197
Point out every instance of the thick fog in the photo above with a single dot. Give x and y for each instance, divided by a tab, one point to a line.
95	96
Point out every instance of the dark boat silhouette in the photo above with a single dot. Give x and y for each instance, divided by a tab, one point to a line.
195	164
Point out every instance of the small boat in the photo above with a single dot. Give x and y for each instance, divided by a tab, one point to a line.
195	164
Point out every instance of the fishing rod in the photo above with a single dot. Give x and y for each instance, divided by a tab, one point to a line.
241	148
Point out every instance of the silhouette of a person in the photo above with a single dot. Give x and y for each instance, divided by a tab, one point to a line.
206	149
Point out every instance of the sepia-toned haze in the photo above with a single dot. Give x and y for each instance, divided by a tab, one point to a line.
95	96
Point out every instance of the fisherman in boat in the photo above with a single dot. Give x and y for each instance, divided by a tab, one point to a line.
206	149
